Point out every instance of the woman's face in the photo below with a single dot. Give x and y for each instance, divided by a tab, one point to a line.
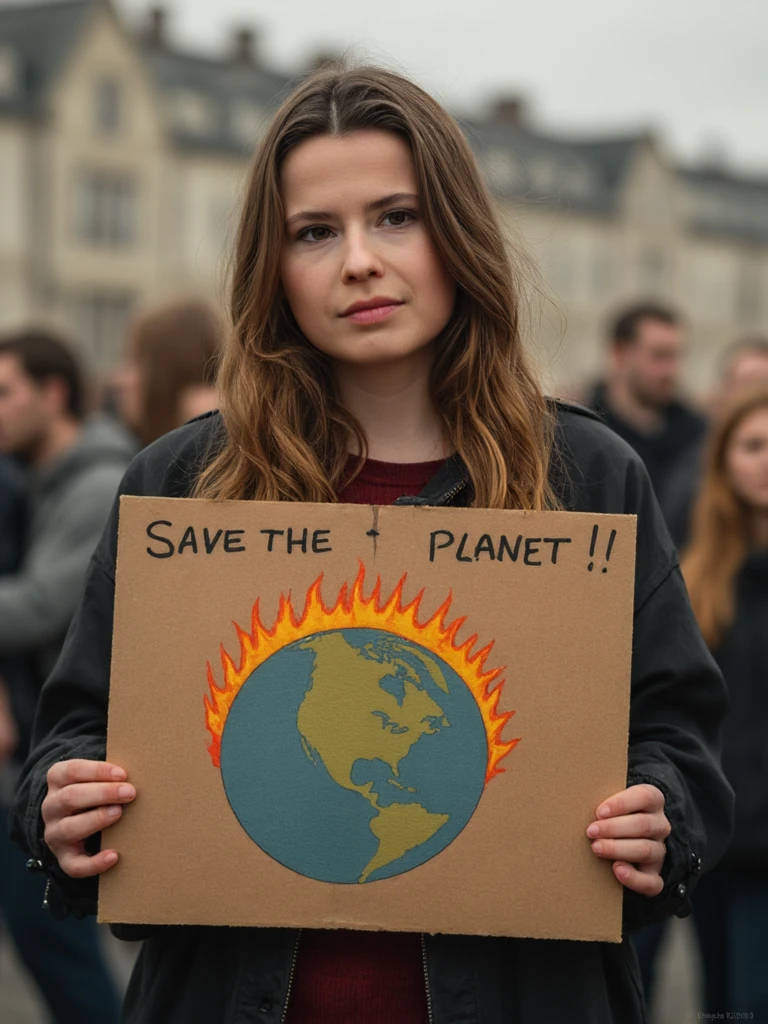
746	460
360	272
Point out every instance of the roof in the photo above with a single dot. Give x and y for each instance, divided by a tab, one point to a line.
723	204
586	175
41	37
222	89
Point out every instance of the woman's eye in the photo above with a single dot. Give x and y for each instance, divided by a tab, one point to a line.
398	218
315	234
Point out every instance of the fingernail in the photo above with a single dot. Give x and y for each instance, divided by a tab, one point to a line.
110	858
113	811
597	847
118	773
623	871
126	792
604	811
593	830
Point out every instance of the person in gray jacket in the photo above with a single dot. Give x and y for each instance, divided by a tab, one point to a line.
74	466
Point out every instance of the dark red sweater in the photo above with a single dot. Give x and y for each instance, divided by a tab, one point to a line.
345	977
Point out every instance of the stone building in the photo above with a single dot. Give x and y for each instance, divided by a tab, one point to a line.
122	161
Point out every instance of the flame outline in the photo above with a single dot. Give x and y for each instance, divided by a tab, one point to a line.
353	610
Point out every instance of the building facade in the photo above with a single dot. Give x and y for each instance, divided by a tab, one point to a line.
122	164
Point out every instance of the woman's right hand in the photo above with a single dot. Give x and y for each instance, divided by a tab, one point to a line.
84	797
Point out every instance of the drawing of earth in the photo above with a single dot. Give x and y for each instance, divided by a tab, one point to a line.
353	755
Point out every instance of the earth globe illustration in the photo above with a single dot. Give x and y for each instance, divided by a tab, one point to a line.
352	755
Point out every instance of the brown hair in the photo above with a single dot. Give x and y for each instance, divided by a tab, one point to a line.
625	326
45	355
175	347
721	529
287	432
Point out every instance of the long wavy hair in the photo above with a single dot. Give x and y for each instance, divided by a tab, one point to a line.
721	533
287	433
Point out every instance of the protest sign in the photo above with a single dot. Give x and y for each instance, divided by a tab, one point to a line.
395	718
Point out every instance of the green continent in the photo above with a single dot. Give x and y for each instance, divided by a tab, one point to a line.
400	828
347	688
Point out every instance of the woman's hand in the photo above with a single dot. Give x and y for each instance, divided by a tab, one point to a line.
630	831
84	797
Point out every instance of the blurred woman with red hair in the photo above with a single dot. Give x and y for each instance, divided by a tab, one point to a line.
726	569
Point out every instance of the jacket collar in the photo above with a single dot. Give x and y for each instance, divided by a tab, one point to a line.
450	481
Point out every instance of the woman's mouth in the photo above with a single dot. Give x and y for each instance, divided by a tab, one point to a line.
372	311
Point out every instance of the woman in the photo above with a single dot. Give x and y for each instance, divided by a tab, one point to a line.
168	375
376	355
726	568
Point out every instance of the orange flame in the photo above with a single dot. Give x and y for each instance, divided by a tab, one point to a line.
353	610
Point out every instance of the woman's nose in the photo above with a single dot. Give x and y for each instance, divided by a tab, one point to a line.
361	261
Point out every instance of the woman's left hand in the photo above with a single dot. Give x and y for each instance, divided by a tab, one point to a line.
630	830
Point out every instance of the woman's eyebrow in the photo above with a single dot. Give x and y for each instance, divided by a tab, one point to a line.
377	204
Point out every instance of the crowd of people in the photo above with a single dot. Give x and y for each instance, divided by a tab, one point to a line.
332	393
61	463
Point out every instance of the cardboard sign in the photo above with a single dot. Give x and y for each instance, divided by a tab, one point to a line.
361	717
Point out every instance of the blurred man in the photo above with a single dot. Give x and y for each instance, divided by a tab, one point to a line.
11	525
640	399
74	469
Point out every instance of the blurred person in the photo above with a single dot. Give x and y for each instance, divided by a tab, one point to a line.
744	366
377	357
74	466
168	375
640	400
726	570
11	525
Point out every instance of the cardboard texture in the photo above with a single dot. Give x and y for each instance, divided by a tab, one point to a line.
354	755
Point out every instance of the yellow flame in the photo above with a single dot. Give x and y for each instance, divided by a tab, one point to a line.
353	610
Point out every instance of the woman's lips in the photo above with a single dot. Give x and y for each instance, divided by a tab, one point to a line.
374	315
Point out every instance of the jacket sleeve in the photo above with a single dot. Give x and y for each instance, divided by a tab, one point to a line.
71	720
37	603
678	703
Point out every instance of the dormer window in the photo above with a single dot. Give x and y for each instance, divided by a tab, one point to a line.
191	112
107	106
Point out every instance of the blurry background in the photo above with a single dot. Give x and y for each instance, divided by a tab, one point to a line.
627	147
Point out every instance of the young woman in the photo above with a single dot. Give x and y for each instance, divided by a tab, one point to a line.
726	569
376	355
168	374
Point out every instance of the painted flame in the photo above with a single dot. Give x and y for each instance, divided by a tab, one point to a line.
353	610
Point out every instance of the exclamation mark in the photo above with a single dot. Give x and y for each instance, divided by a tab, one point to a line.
592	546
608	550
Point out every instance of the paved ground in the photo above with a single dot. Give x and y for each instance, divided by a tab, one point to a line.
676	1002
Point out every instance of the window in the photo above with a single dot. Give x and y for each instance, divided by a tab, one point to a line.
100	321
748	296
9	72
603	271
653	270
105	209
192	112
108	106
247	122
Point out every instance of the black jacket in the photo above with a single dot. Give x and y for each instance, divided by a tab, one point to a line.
15	670
743	658
671	454
238	976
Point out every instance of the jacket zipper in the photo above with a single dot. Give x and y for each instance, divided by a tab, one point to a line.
453	492
290	975
430	1016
